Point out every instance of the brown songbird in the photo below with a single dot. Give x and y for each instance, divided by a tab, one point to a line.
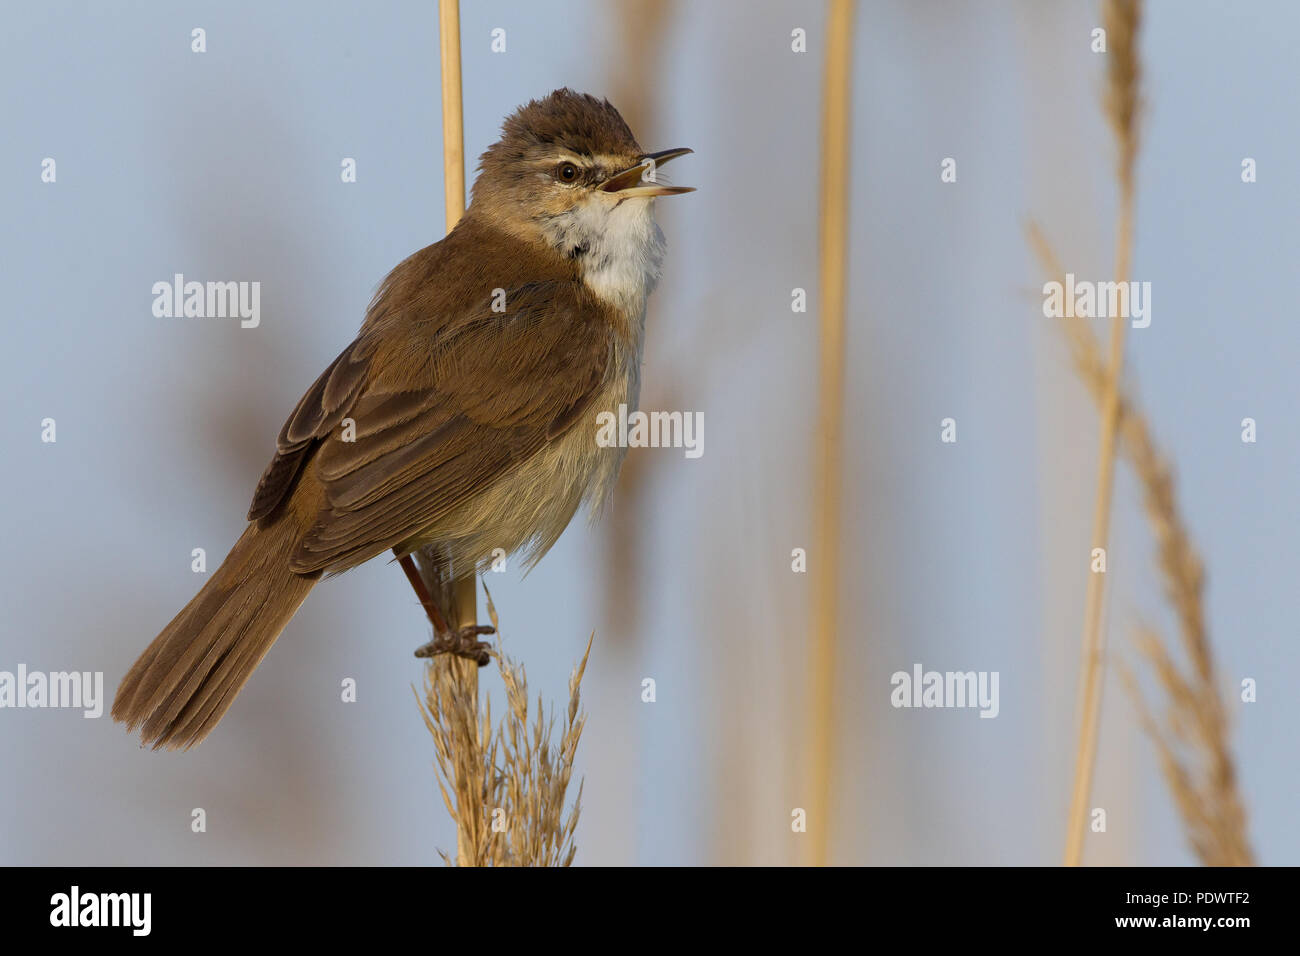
463	415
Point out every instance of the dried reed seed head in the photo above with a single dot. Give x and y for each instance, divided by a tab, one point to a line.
513	768
1122	100
1192	742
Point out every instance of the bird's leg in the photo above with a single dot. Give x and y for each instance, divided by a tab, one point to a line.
461	642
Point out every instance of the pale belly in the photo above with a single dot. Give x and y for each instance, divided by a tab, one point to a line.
528	509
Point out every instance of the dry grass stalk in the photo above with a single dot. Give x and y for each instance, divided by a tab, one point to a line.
505	787
1122	98
1194	757
457	683
640	29
1122	19
833	217
1193	740
453	122
453	178
457	596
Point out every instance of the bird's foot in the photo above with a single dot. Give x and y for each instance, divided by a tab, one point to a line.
462	642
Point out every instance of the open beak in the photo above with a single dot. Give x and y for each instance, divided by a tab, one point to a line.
638	180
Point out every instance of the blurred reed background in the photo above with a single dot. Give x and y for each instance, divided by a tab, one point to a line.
964	556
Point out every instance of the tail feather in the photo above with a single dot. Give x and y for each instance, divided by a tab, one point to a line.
186	680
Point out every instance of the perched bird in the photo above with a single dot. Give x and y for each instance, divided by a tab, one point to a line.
463	415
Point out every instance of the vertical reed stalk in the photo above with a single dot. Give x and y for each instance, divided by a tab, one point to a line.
505	788
453	123
1122	19
1192	738
462	591
833	241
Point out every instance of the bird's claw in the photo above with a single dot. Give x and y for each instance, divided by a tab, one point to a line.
462	642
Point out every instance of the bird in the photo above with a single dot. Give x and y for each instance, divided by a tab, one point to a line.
461	417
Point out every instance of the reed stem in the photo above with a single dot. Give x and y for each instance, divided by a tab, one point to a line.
1121	19
464	592
834	202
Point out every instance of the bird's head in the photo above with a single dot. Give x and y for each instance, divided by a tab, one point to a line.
567	171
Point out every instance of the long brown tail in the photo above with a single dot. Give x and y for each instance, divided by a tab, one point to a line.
188	677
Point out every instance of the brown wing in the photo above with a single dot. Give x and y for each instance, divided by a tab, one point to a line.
490	390
320	410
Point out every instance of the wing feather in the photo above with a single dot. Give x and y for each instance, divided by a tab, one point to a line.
437	416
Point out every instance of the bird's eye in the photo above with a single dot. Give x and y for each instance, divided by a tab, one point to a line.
567	173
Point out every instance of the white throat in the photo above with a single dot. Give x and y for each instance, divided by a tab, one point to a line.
619	247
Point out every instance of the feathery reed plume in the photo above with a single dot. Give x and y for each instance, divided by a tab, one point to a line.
1122	19
833	216
505	788
461	740
1122	97
1205	789
1193	748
